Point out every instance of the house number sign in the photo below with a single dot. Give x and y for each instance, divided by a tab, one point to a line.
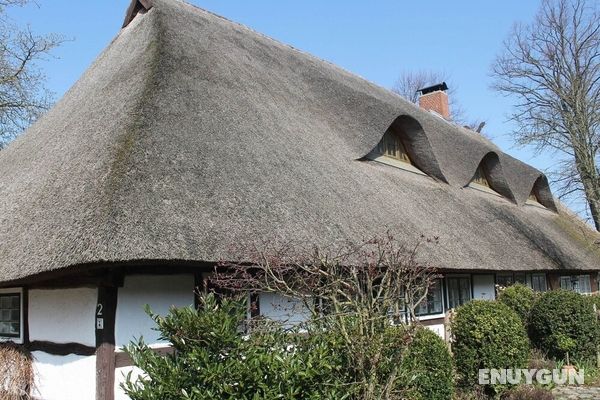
99	317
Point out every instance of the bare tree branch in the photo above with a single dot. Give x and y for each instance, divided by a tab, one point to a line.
23	97
551	69
409	82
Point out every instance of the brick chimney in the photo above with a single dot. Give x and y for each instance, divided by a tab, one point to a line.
435	98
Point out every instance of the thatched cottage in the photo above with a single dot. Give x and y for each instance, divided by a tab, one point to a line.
191	134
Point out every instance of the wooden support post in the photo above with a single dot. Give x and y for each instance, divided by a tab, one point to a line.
105	342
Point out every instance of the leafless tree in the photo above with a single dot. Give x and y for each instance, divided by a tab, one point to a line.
358	291
23	96
410	82
551	68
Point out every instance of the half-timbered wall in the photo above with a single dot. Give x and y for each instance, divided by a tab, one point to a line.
63	316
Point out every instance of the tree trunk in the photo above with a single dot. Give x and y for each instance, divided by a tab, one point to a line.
590	179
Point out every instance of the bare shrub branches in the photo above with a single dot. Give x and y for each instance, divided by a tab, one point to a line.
366	293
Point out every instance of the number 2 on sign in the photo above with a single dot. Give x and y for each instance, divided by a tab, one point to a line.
99	312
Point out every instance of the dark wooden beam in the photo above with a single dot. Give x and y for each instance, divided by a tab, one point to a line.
25	327
61	349
105	342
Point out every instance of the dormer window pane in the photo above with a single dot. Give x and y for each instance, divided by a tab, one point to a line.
481	178
391	146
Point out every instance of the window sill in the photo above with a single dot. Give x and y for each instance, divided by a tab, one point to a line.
397	164
483	188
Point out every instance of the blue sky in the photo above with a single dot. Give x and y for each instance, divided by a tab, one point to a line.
374	39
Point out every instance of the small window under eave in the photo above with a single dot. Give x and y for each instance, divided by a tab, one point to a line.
392	151
534	200
480	181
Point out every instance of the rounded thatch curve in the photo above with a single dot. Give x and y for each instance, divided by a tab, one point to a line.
541	188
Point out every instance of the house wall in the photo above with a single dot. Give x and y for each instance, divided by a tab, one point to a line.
160	292
64	377
484	287
63	315
283	309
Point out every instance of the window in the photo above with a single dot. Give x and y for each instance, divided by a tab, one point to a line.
433	303
538	282
10	315
520	278
480	177
506	279
391	146
576	283
459	291
533	197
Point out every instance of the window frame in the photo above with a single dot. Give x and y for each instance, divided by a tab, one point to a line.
538	275
440	285
393	140
571	280
15	338
448	289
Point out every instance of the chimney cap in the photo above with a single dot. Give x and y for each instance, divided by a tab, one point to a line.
434	88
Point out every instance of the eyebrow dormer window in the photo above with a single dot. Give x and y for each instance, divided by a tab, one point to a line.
391	146
480	178
534	200
481	181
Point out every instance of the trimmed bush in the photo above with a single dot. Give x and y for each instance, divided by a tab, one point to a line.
562	321
427	367
520	298
487	335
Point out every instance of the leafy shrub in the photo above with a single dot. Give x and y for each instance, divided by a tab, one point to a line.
214	359
487	335
427	367
562	321
527	393
595	300
520	298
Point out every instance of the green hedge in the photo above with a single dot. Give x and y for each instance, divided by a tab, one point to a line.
427	369
520	298
562	321
487	335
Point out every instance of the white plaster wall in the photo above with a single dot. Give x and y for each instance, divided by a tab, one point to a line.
63	315
161	292
439	329
484	287
121	376
64	377
283	309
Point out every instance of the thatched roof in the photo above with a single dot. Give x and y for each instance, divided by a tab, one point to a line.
191	134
